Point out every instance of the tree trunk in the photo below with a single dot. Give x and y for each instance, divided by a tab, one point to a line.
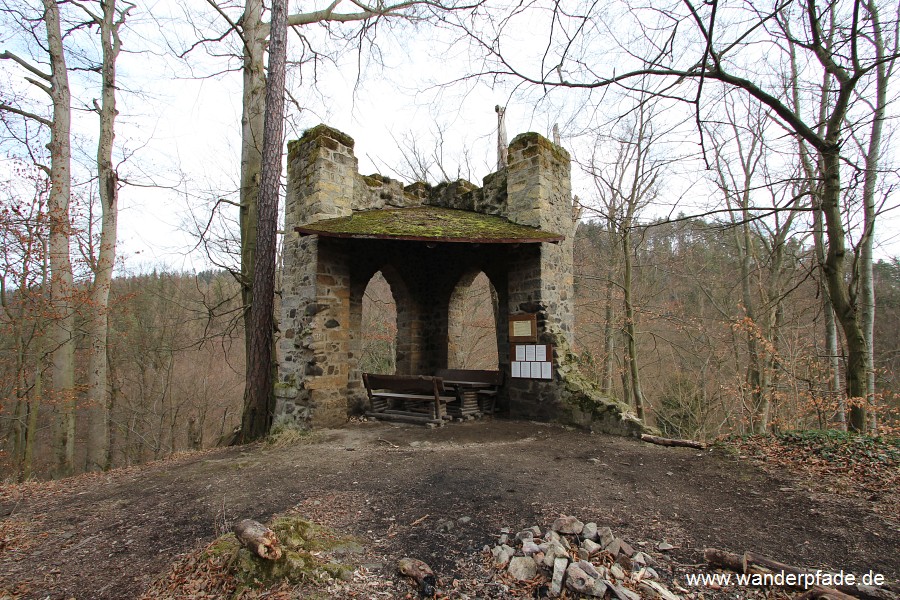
252	124
755	374
873	156
845	307
37	391
98	455
672	442
62	339
637	394
259	396
33	408
831	334
609	339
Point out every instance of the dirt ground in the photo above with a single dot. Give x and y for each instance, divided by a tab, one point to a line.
108	536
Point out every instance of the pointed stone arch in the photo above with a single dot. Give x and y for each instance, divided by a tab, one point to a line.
472	318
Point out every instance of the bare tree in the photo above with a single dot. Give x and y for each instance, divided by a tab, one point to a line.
109	21
626	186
713	44
52	77
760	234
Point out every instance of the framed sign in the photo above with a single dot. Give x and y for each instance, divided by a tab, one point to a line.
531	361
523	328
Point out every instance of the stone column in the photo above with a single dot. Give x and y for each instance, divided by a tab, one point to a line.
313	367
541	278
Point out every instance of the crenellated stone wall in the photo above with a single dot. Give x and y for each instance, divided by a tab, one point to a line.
324	279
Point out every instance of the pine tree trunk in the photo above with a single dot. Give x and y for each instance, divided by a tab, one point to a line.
259	397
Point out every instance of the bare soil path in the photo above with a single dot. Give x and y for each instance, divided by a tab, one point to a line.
108	536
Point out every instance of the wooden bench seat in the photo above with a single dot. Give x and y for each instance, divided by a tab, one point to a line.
407	398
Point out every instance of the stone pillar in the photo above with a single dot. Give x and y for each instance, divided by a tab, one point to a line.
314	350
539	194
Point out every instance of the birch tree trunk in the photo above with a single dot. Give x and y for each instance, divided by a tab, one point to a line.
62	341
98	455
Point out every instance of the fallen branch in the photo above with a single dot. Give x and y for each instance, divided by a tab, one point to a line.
751	563
661	441
391	444
258	538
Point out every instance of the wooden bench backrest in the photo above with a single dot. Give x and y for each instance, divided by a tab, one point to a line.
420	384
491	377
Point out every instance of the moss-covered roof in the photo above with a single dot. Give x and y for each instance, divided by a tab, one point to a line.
430	224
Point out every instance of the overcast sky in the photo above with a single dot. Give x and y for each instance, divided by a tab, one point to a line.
180	124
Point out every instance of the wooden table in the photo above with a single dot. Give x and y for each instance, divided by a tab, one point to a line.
467	393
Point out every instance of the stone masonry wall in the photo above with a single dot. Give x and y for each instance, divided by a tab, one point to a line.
539	194
324	280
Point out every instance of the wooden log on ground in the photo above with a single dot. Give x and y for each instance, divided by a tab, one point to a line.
661	441
753	563
421	573
258	538
724	560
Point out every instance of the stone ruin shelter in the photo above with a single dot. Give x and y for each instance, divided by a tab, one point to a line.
342	228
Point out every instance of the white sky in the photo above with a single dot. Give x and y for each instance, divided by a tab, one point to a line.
184	131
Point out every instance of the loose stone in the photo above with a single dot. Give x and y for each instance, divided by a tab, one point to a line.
522	568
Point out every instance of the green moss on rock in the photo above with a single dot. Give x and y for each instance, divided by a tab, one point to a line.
531	138
324	131
589	407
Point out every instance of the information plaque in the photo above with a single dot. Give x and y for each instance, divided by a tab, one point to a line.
523	328
532	361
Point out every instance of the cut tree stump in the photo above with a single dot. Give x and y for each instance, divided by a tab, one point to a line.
661	441
258	538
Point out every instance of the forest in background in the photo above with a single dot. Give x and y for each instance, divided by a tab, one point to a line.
175	376
176	349
770	128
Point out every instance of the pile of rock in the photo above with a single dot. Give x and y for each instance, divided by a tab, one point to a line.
580	557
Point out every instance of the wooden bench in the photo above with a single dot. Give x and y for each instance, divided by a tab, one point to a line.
476	390
408	399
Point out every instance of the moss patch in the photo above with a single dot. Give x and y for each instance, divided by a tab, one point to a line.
326	131
532	138
589	407
306	546
430	223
